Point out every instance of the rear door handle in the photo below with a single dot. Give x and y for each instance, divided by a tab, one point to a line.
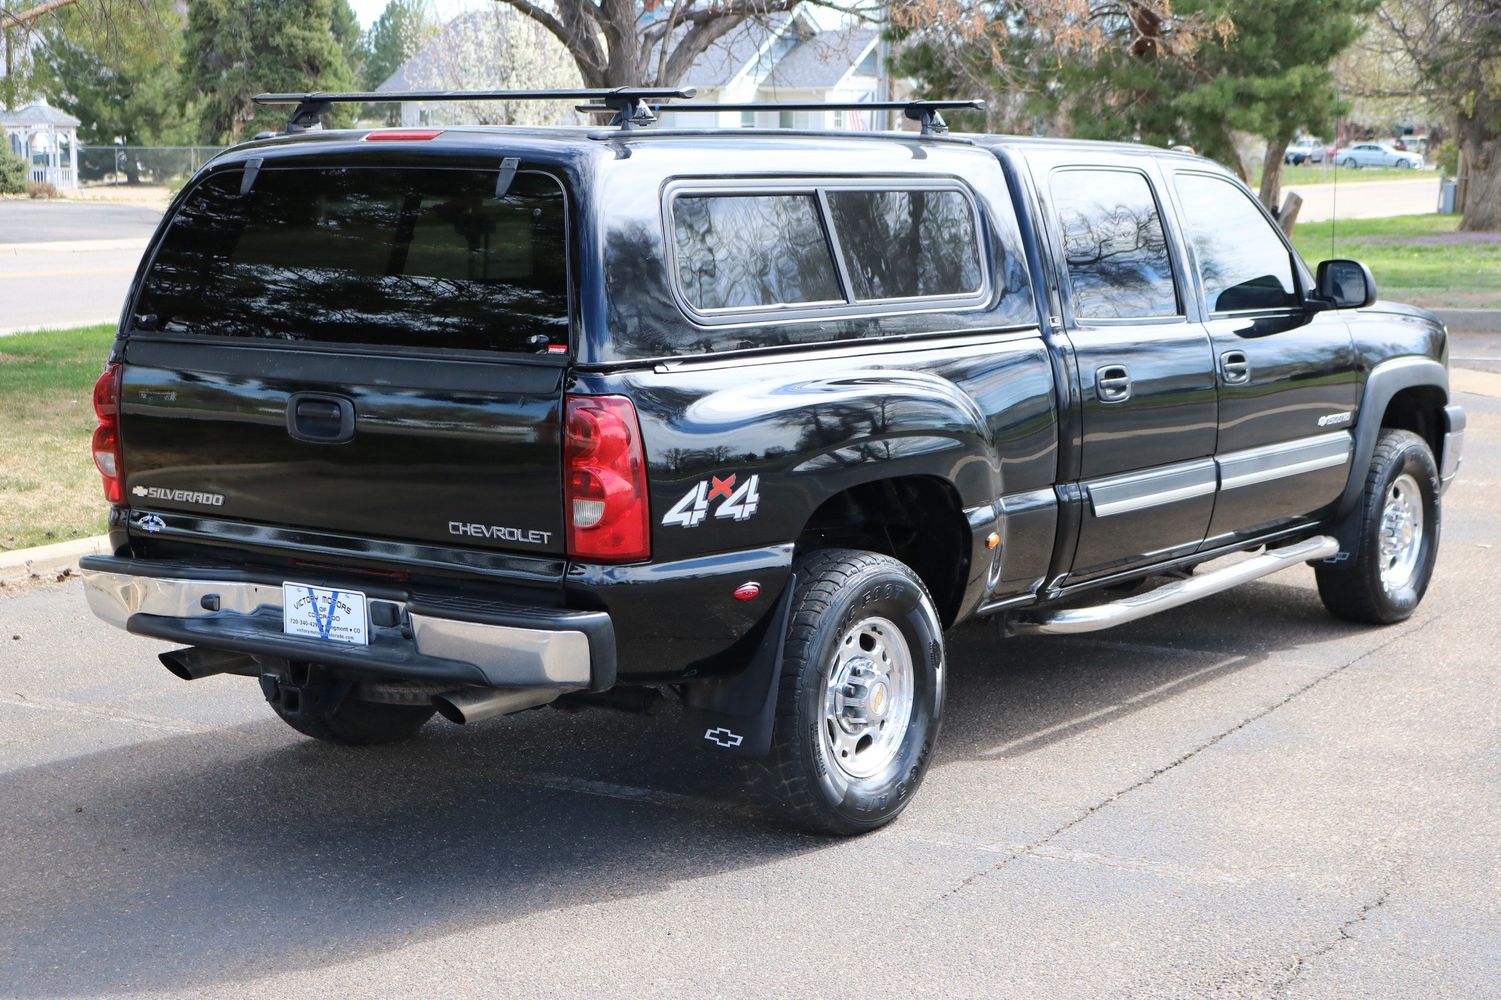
1112	384
320	418
1235	367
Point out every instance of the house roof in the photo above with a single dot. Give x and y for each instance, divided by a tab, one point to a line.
39	114
729	55
822	60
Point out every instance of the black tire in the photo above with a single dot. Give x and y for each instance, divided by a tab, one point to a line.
318	703
843	611
1350	163
1356	589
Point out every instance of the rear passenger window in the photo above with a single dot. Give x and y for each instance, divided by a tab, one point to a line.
906	244
1242	261
1118	265
743	251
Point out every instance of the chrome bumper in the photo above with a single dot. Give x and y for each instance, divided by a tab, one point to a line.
541	648
1454	446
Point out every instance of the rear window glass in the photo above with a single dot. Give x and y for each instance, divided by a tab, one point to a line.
1118	265
906	244
744	251
400	258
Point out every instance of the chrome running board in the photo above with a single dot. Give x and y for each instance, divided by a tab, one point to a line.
1172	595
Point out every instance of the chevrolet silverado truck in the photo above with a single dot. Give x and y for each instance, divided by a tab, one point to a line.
477	420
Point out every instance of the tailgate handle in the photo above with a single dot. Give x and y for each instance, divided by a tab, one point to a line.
320	418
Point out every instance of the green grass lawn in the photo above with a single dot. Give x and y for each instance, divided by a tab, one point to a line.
1415	258
49	488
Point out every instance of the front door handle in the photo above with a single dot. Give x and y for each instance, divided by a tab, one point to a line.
1235	367
1112	384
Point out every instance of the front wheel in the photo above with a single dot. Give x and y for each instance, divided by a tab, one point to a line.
1404	164
861	695
1395	536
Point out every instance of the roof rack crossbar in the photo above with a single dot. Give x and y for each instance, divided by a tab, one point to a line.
632	105
926	112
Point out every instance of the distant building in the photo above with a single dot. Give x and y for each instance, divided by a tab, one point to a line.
45	138
784	57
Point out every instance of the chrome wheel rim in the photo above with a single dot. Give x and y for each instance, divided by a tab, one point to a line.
1401	540
867	698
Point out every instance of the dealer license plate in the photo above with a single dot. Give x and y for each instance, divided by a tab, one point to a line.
329	615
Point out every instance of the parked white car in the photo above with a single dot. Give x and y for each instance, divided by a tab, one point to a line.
1374	154
1309	149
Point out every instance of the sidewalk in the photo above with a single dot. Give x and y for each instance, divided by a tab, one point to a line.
60	559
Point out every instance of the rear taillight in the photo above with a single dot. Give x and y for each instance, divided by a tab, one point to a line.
108	455
604	485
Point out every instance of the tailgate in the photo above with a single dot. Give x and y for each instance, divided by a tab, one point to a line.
376	351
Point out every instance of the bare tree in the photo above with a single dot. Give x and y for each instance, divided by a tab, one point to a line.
1456	46
623	43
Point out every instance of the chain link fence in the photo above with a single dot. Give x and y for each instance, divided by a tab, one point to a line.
169	165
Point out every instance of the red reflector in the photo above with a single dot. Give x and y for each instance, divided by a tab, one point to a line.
748	591
403	135
604	481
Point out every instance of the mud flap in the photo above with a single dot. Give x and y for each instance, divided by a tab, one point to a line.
736	715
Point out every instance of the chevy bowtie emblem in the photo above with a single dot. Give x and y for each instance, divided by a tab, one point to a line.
724	737
139	491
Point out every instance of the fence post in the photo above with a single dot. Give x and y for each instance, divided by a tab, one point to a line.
1288	217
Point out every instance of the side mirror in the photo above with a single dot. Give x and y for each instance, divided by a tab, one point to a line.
1346	284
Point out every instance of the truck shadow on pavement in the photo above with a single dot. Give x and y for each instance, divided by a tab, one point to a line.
246	851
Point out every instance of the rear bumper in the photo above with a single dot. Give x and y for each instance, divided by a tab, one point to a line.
421	639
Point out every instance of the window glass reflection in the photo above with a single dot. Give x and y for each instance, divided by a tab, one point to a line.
1242	261
741	251
1118	265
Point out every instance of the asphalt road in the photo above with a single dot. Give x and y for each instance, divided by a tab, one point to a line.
1243	797
1358	199
51	221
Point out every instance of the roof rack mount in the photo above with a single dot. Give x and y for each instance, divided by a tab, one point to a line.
632	106
926	112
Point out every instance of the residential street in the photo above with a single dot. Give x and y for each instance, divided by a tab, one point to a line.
1356	199
1240	798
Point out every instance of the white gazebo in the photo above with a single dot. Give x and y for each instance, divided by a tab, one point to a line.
47	139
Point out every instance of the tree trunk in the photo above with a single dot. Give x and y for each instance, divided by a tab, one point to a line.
1271	173
1483	195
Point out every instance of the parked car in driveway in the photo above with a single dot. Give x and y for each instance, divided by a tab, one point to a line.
1309	149
1374	154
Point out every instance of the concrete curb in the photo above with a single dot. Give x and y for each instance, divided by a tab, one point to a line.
58	559
1471	320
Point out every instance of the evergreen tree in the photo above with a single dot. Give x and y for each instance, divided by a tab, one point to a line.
123	84
235	49
399	32
1270	76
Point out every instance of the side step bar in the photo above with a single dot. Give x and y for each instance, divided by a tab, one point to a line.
1172	595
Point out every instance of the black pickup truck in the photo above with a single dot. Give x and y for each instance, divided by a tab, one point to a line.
469	420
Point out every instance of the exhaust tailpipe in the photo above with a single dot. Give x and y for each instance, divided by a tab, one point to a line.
474	704
195	662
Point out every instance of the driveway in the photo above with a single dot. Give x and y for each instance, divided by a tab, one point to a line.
1243	798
